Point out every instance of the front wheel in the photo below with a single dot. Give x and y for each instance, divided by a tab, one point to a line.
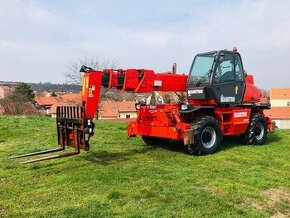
256	133
207	136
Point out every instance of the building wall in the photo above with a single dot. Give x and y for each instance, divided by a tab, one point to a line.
280	102
107	117
125	114
283	124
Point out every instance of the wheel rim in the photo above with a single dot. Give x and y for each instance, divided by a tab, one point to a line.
259	131
208	137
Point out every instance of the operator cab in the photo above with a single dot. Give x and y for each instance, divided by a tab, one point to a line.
217	75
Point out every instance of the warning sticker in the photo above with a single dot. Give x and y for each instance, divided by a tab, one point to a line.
240	114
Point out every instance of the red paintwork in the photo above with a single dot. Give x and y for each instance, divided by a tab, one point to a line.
166	121
160	121
92	83
202	102
252	92
233	121
91	93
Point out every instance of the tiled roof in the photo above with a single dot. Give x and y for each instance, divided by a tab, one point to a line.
127	106
278	113
280	93
108	109
72	98
42	101
111	109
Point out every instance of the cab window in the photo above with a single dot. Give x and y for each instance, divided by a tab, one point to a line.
229	69
225	71
239	73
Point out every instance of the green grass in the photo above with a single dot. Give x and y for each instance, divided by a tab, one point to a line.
120	177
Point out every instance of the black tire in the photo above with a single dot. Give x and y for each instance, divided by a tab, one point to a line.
155	141
207	136
256	133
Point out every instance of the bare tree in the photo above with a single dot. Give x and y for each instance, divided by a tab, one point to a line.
74	76
182	98
167	98
11	106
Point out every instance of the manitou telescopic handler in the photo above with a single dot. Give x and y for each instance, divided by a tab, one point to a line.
222	101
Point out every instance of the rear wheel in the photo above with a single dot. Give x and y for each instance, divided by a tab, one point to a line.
207	136
256	133
155	141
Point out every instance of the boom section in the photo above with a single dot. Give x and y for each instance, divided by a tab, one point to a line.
131	80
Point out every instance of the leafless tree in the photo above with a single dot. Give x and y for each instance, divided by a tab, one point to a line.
167	98
73	74
13	107
181	97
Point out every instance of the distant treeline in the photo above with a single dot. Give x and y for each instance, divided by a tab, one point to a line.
48	86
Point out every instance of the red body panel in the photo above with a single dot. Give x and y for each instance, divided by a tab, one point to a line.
160	121
138	81
233	121
91	93
252	92
202	102
166	121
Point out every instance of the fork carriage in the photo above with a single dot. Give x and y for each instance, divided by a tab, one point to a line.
73	130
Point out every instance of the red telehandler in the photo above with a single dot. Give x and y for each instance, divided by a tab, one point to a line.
222	101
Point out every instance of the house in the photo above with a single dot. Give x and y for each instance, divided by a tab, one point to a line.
45	103
108	110
127	109
280	107
280	97
281	116
117	109
70	98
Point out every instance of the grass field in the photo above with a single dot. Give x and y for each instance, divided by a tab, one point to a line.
120	177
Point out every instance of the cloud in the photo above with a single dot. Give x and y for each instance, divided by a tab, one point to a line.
150	34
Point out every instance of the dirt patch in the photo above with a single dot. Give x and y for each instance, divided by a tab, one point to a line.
280	215
253	203
276	195
273	197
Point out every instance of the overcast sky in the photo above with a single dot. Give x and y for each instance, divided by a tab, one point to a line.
39	39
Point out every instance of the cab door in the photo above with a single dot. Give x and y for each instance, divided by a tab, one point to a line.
228	78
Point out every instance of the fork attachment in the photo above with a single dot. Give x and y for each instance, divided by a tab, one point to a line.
73	130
